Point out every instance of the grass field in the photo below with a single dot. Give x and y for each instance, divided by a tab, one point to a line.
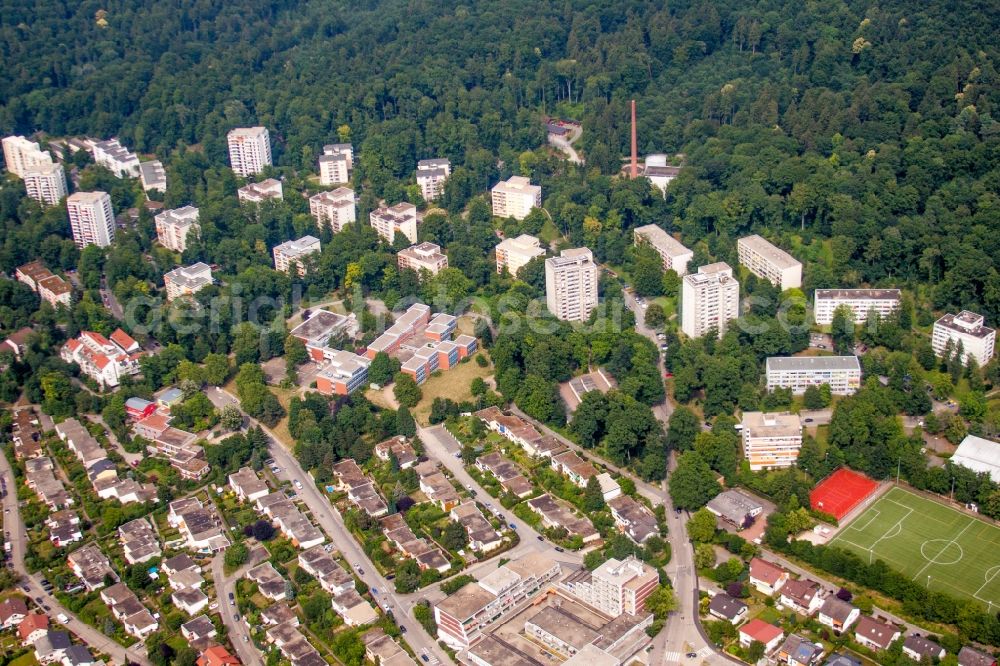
934	544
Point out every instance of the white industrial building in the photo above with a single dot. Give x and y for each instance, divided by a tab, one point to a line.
980	455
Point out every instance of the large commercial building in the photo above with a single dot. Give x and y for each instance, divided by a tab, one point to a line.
571	284
45	182
515	197
423	257
295	251
841	373
187	280
675	256
514	253
769	262
616	587
336	163
860	301
173	227
116	158
334	208
771	440
345	373
249	150
431	175
255	193
967	329
19	154
392	220
710	300
91	218
462	616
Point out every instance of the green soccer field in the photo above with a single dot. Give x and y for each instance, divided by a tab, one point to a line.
936	545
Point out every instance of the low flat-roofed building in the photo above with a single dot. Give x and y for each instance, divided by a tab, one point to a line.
559	630
321	327
295	252
153	176
735	507
494	651
187	280
771	440
967	329
591	655
841	373
256	193
344	373
769	262
674	255
860	302
423	257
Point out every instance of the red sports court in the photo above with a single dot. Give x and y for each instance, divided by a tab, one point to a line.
840	492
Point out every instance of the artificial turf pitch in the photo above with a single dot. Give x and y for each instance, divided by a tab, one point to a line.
936	545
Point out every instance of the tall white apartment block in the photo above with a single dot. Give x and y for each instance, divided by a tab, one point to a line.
398	219
769	262
771	440
841	373
91	218
336	163
431	175
295	251
969	329
571	284
710	299
423	257
20	153
45	182
173	227
112	155
249	150
514	253
334	208
616	587
187	280
860	301
515	197
674	255
255	193
153	176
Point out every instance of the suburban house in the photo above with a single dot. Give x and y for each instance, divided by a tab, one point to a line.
968	656
874	635
803	596
727	608
767	578
917	647
798	651
758	630
837	614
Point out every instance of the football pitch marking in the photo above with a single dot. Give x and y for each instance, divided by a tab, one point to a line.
990	574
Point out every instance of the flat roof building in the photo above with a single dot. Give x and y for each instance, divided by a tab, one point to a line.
735	507
45	182
514	253
515	197
980	455
616	587
769	262
571	284
335	208
91	218
20	154
336	164
841	373
187	280
771	440
249	150
255	193
153	176
423	257
860	301
431	175
173	227
967	329
674	255
322	326
392	220
112	155
295	252
345	373
710	300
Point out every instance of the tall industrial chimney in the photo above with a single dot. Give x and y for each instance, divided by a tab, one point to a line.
635	156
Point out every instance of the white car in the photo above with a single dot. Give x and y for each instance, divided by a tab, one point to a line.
298	484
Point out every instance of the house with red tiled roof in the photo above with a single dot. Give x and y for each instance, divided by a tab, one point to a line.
125	341
766	577
103	360
217	656
758	630
32	628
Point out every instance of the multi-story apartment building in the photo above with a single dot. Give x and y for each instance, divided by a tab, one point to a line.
431	175
462	617
674	255
334	208
710	299
19	154
571	284
514	253
967	329
153	176
116	158
771	440
91	218
336	163
398	219
860	301
616	587
45	183
769	262
345	373
187	280
841	373
105	360
249	150
295	252
515	197
423	257
173	227
52	288
255	193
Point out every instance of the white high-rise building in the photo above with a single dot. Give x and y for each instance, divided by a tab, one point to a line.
515	197
334	208
841	373
771	440
431	175
336	163
514	253
674	255
91	218
710	299
571	284
45	183
19	154
187	280
860	301
616	587
249	150
112	155
968	329
398	219
770	262
173	227
295	251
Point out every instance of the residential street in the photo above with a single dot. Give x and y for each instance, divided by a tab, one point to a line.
224	586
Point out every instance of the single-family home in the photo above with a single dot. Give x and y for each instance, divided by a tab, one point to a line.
758	630
767	578
727	608
837	614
